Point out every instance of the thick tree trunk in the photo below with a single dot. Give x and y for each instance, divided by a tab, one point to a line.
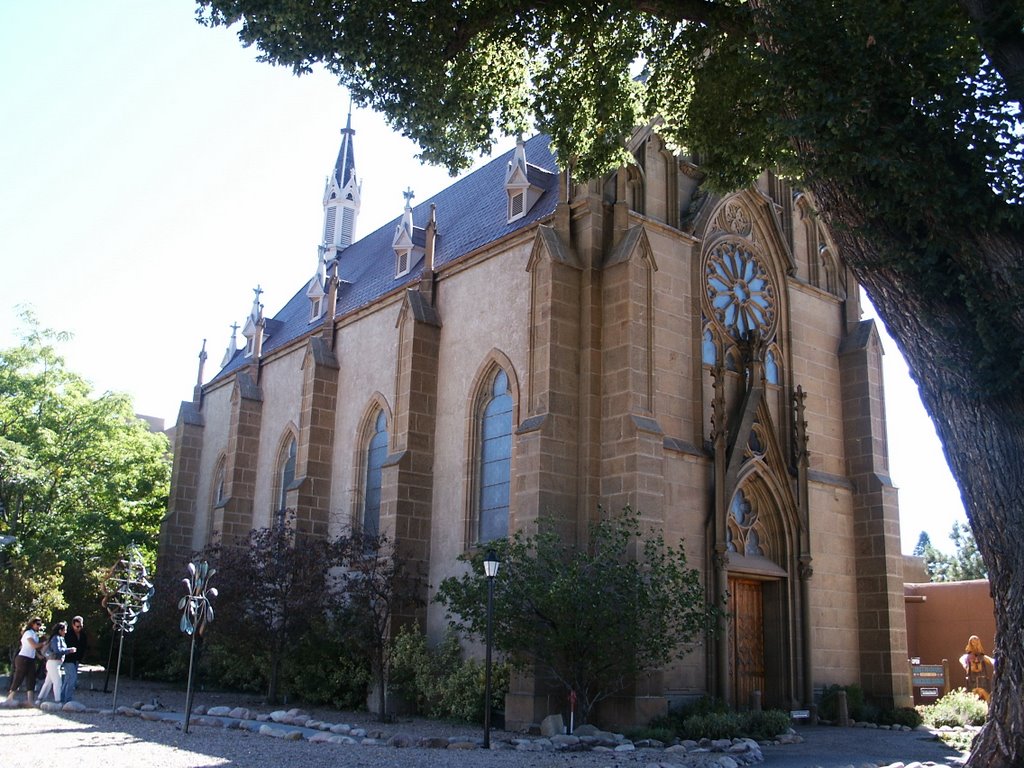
980	421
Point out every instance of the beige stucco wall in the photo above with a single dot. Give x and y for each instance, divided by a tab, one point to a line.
281	384
216	419
467	300
366	351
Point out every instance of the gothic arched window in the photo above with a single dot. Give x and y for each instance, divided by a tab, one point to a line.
285	478
495	466
376	453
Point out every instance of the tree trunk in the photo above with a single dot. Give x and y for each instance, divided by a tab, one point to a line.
980	421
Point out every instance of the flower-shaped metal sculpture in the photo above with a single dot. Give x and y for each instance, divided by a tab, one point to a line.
127	592
196	613
197	605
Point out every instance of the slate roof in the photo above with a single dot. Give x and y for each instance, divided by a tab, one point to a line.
470	213
345	165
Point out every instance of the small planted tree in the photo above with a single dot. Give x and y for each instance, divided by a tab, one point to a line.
271	589
591	618
379	588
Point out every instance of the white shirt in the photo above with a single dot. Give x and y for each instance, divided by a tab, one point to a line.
29	640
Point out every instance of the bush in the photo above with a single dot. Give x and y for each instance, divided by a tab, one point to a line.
439	682
956	709
907	716
709	719
766	724
828	709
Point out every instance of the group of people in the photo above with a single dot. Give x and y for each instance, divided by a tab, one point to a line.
62	650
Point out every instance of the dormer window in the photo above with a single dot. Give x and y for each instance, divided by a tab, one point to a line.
314	310
408	240
516	205
522	192
402	262
250	344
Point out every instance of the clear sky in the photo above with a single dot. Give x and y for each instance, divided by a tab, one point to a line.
152	173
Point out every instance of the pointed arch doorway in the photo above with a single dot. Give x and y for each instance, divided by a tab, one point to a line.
760	607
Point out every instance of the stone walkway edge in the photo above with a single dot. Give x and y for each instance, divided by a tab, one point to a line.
295	725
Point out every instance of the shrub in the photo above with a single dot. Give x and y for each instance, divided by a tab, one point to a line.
439	682
907	716
828	709
956	709
766	724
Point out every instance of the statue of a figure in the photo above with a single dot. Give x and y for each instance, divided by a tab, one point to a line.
978	666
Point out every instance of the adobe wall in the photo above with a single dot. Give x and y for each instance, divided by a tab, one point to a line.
942	615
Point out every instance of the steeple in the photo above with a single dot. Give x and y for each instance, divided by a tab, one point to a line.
341	196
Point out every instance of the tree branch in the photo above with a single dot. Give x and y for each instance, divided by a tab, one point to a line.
999	27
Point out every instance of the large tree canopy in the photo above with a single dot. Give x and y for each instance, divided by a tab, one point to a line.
81	478
901	119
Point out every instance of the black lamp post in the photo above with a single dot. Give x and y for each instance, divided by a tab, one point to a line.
491	564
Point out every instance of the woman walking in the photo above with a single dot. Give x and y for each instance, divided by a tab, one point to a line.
25	661
55	650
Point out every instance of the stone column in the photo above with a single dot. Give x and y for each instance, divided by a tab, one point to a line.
879	562
176	544
235	519
407	491
310	495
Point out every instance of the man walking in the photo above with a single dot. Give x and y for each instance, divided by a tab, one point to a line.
77	640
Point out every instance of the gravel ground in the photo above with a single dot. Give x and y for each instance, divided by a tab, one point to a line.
31	737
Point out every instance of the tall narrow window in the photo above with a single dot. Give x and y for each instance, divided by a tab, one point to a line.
285	477
771	367
495	460
708	350
376	453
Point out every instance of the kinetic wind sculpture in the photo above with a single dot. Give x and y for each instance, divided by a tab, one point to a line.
127	592
196	612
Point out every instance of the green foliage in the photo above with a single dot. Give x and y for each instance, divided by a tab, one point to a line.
296	616
828	708
448	74
272	589
907	716
328	670
440	681
709	720
956	709
593	617
963	565
81	478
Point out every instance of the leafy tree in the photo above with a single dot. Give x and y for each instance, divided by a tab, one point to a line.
900	118
81	478
379	590
272	590
965	564
591	618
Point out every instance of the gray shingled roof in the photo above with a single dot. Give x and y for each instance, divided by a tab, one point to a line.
471	213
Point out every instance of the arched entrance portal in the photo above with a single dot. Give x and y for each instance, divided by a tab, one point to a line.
761	609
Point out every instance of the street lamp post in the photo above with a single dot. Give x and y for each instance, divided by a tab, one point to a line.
491	564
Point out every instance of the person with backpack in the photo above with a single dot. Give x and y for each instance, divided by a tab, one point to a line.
54	653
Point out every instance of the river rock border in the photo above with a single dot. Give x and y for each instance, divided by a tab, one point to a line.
296	725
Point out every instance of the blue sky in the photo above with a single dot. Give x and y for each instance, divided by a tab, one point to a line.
152	173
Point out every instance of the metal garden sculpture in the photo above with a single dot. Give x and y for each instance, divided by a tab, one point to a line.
196	612
127	592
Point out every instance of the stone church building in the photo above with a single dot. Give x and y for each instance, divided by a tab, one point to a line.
521	345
